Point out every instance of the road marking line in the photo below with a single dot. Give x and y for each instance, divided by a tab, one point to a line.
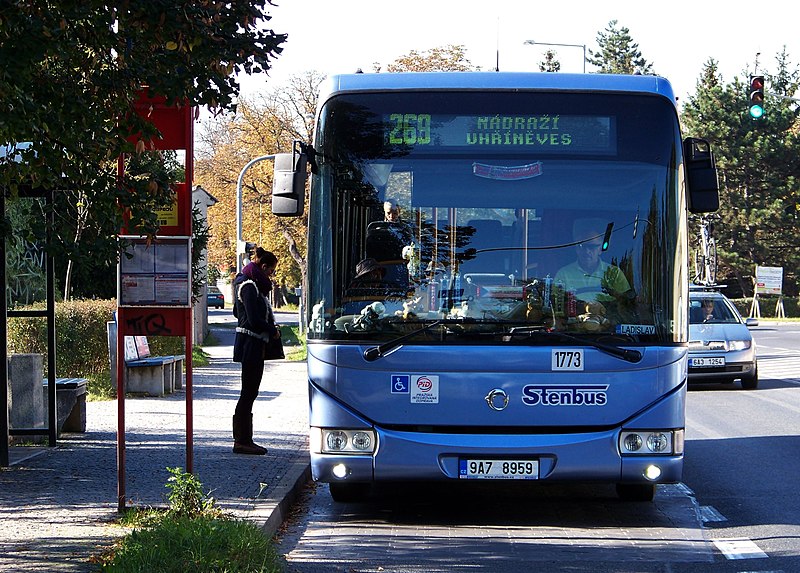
739	548
708	513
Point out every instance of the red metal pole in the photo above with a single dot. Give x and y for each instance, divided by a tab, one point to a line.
189	408
120	412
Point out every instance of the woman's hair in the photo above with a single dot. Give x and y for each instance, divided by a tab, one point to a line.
265	258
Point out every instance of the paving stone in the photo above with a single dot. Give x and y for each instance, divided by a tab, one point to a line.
57	505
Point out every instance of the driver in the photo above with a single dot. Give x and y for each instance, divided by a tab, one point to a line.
589	277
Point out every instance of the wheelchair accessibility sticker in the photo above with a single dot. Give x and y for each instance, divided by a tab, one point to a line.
400	383
422	388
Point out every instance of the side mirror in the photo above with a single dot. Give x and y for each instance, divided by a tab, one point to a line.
289	183
750	322
701	175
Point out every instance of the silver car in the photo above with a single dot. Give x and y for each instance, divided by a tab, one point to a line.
721	348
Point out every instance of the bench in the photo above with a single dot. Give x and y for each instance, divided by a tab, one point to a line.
144	373
70	403
150	375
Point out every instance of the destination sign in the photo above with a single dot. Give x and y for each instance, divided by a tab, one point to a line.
535	132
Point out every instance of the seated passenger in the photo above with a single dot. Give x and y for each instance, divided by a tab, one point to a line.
369	280
590	278
370	285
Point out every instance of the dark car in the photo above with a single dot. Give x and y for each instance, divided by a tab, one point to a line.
721	348
215	298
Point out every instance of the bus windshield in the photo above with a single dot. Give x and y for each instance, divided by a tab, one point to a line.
496	213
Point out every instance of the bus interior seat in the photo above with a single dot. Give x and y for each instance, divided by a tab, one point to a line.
385	241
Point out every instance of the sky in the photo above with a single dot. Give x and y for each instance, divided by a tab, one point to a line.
677	37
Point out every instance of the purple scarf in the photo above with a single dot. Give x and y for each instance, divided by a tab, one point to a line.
253	272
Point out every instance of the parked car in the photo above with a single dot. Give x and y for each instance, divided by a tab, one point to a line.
215	298
721	348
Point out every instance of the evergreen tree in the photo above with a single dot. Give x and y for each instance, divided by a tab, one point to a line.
618	54
550	62
758	163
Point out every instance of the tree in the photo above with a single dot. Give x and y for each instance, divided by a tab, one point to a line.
69	73
550	62
262	127
618	54
758	162
450	58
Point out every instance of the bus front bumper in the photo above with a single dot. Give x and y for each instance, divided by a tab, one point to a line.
404	456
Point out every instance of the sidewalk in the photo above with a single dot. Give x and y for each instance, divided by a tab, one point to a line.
57	506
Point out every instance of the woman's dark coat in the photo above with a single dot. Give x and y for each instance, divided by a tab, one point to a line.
252	310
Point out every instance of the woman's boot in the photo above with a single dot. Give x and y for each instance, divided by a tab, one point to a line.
243	436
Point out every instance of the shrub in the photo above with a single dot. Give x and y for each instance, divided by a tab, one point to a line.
81	336
768	304
81	341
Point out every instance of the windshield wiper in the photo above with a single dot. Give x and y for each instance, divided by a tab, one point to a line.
375	352
616	351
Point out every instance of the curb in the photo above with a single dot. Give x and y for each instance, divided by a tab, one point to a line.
285	494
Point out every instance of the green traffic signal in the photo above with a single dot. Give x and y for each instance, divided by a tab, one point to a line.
756	92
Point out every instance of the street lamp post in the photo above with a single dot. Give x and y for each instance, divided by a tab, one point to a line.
534	43
239	242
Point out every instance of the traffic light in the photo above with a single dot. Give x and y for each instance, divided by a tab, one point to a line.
756	92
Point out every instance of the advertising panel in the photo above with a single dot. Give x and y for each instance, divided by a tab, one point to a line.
769	280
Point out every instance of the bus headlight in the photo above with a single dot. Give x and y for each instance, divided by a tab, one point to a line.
632	443
338	441
651	442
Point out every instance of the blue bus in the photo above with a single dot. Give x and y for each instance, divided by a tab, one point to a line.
497	280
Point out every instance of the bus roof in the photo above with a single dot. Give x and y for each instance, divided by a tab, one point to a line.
546	81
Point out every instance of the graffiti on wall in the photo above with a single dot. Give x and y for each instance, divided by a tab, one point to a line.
26	280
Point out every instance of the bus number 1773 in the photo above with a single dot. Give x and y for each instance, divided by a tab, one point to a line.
567	359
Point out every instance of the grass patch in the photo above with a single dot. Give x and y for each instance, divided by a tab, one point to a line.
191	536
99	385
196	545
200	357
211	339
294	343
99	388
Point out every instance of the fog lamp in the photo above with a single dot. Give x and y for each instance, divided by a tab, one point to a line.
339	471
652	472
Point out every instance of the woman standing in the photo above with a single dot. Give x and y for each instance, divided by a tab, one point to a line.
251	289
